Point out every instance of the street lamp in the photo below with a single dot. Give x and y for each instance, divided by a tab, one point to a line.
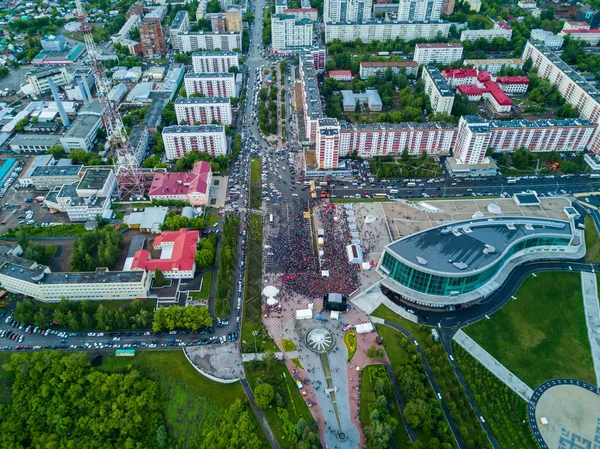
255	333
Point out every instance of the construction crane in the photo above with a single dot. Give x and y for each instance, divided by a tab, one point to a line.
130	179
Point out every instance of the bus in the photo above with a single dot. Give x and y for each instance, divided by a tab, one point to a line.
595	175
270	218
125	352
410	184
313	192
511	181
380	195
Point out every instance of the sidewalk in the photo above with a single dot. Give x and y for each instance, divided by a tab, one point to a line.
495	367
591	306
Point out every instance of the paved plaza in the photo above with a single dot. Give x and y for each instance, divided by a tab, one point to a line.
573	417
222	361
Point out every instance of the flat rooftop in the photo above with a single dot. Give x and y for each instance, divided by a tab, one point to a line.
57	170
36	140
82	126
94	178
101	275
472	244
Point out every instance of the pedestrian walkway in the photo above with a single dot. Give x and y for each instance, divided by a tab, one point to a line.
495	367
589	287
260	415
247	357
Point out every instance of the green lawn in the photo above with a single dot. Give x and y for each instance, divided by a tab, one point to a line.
51	250
212	219
255	184
418	331
542	335
367	399
283	383
504	411
204	292
50	231
190	400
592	241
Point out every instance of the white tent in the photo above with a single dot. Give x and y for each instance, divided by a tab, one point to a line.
366	266
304	314
364	328
271	301
335	315
270	291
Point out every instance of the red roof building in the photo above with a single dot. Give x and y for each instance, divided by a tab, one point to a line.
456	77
178	250
341	75
193	187
513	84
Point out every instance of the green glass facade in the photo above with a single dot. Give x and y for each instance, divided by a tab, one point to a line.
440	285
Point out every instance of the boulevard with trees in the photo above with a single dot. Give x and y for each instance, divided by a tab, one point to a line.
227	264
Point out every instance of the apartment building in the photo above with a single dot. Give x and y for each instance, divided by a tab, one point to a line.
440	95
180	140
179	26
288	32
203	111
500	29
211	84
437	53
302	13
318	55
382	31
152	40
204	40
548	38
311	99
334	141
218	22
419	10
573	87
347	10
493	66
475	135
590	37
233	18
214	62
379	68
513	84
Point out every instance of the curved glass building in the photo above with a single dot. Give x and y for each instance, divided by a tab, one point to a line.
462	262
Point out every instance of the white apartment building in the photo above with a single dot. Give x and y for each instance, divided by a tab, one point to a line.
211	84
131	24
180	140
441	96
379	68
419	10
203	111
590	37
573	87
311	99
494	65
180	25
501	29
383	31
475	135
379	139
513	84
288	32
437	53
347	11
311	14
214	62
548	38
204	40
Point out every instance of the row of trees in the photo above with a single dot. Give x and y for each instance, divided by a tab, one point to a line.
267	110
58	400
218	164
177	317
175	222
207	248
381	428
266	33
98	248
227	259
80	315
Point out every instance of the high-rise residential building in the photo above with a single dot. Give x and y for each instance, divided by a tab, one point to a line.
437	53
378	68
382	31
311	14
152	40
214	62
203	40
203	111
288	32
317	55
440	95
181	140
448	7
573	87
233	17
180	25
419	10
311	99
211	84
476	135
328	143
347	10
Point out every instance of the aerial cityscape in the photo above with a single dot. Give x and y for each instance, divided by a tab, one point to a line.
300	224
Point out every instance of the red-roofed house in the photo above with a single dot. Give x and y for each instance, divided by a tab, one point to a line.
192	187
497	97
459	77
341	75
513	84
178	250
471	91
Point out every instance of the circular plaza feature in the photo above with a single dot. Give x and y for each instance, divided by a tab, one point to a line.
320	340
565	413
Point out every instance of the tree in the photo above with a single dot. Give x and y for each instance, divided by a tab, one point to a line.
235	429
37	253
161	435
263	395
373	352
159	278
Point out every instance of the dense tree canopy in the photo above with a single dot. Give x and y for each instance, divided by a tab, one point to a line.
98	248
177	317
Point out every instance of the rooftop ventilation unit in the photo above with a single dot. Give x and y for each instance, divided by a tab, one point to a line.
460	265
456	232
467	230
511	226
421	260
529	227
489	249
